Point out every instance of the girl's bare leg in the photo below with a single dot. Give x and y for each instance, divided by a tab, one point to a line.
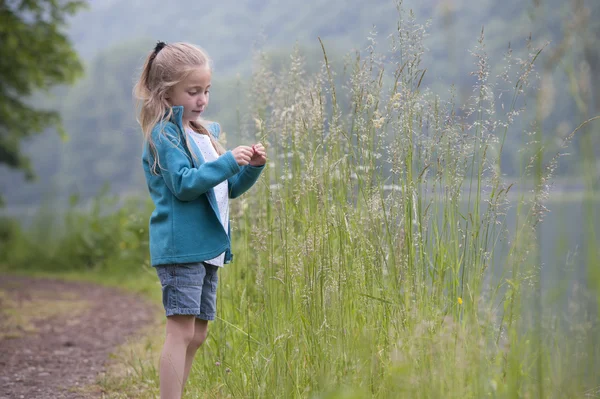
180	333
200	333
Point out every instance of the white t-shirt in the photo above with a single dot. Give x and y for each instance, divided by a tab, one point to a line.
221	190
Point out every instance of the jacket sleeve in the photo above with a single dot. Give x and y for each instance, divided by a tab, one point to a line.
242	181
185	181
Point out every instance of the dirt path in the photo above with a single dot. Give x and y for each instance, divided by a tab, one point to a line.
56	336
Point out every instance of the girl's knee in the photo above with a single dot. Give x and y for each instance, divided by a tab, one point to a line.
200	333
198	340
181	328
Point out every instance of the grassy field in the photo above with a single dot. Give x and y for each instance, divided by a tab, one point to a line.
344	288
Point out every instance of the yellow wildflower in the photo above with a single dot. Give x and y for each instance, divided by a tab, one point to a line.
459	300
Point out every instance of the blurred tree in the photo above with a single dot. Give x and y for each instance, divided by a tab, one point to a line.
35	55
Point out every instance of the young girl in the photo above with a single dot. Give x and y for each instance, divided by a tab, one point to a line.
190	178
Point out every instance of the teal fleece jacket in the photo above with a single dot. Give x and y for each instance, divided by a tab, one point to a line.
185	225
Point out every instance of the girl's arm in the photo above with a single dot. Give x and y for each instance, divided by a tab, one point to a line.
242	181
186	182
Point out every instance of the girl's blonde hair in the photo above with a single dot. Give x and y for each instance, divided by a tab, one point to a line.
166	66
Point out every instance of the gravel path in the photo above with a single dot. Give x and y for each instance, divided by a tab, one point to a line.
56	336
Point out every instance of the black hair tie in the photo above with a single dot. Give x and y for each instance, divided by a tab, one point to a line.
159	46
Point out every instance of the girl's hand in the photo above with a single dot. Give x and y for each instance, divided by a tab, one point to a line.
259	155
242	154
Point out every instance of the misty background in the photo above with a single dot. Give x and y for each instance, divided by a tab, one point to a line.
103	143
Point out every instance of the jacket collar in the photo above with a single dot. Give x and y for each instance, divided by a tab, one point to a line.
177	115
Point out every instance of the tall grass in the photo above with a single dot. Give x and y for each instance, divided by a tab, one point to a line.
366	257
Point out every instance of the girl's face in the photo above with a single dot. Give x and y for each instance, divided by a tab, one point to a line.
191	93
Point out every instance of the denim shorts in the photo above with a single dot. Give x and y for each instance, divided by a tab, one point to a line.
189	289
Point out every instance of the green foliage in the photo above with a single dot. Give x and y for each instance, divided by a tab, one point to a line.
104	234
9	228
36	55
